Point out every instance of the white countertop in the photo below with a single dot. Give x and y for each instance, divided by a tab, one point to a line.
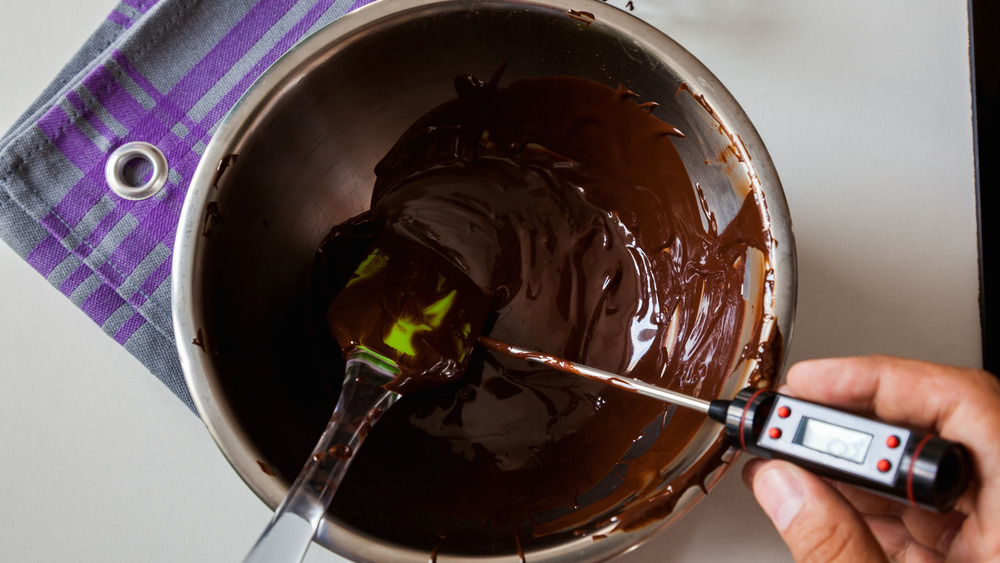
865	107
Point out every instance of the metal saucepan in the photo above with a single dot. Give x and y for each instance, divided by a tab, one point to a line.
296	156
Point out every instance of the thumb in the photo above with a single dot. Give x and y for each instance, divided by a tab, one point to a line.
814	520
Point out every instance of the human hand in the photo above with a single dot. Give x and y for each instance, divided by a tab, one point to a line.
824	521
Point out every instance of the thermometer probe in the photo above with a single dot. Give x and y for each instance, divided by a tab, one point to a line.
904	464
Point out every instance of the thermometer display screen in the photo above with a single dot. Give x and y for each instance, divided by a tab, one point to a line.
832	439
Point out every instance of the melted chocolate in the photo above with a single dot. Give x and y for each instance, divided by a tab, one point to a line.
566	204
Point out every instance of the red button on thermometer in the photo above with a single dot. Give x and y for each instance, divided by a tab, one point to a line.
908	465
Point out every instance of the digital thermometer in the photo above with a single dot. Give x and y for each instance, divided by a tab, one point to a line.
904	464
915	467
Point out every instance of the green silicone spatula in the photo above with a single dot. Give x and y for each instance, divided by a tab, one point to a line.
407	319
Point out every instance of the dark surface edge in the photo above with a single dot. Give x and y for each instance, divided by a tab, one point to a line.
984	53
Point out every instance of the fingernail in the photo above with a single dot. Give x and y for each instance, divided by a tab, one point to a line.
780	494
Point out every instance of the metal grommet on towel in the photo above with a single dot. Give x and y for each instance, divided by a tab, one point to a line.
136	152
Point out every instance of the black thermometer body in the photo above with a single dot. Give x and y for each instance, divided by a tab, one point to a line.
904	464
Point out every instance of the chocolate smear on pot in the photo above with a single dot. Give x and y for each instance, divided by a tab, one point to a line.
565	202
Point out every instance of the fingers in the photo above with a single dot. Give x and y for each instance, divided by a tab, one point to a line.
936	531
900	532
869	503
959	404
964	404
896	526
815	522
897	542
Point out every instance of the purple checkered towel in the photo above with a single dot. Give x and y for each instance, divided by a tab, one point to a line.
160	71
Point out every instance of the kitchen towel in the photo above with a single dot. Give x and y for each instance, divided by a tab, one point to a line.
160	71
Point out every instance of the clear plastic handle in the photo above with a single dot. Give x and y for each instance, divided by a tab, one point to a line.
362	400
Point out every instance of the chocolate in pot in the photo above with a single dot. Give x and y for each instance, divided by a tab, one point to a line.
567	204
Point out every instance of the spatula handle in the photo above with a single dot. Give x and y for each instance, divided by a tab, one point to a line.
291	530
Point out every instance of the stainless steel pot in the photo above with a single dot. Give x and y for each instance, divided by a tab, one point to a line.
296	156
